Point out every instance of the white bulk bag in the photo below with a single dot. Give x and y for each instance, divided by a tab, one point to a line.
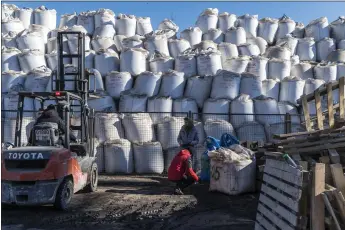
132	103
303	70
159	107
340	70
234	178
279	128
126	25
216	128
271	88
89	59
240	106
9	59
172	84
148	158
280	52
249	23
10	102
102	104
235	35
227	50
287	107
226	21
104	17
250	85
207	19
248	49
7	10
192	34
54	33
167	24
278	68
118	42
45	17
226	84
12	81
294	60
147	83
99	43
215	35
68	20
107	61
199	89
161	63
285	26
186	63
52	45
213	108
138	127
237	65
10	130
37	79
11	25
31	40
306	49
73	44
169	34
117	82
25	15
144	25
182	106
87	20
318	29
291	89
99	154
266	110
104	31
267	29
338	29
299	30
289	42
95	81
337	56
326	72
43	30
177	46
69	85
199	126
108	127
168	130
156	43
76	28
133	60
341	44
260	42
119	158
9	39
258	66
31	59
312	84
323	48
205	45
135	41
251	131
208	63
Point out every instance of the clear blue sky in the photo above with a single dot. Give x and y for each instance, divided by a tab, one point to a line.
186	13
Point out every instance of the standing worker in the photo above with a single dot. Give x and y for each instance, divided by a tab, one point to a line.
188	136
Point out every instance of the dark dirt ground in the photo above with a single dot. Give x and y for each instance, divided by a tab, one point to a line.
139	202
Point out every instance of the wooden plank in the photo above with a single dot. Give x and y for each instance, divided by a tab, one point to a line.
330	105
308	133
308	124
317	211
338	177
277	208
286	176
264	222
318	109
304	165
330	210
294	192
328	174
341	97
334	156
287	201
315	149
273	217
282	165
308	143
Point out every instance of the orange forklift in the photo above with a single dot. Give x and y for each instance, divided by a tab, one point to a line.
52	168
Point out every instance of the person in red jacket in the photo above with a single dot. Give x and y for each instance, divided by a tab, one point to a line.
181	171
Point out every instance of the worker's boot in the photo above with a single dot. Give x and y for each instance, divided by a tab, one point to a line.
178	191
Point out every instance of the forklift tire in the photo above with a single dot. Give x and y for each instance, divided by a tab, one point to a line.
64	195
92	186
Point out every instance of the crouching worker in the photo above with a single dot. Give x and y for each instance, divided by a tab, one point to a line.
181	171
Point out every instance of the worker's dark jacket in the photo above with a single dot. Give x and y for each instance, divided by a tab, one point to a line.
185	138
181	165
52	116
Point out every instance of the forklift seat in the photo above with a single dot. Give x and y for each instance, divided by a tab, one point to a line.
79	148
45	134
